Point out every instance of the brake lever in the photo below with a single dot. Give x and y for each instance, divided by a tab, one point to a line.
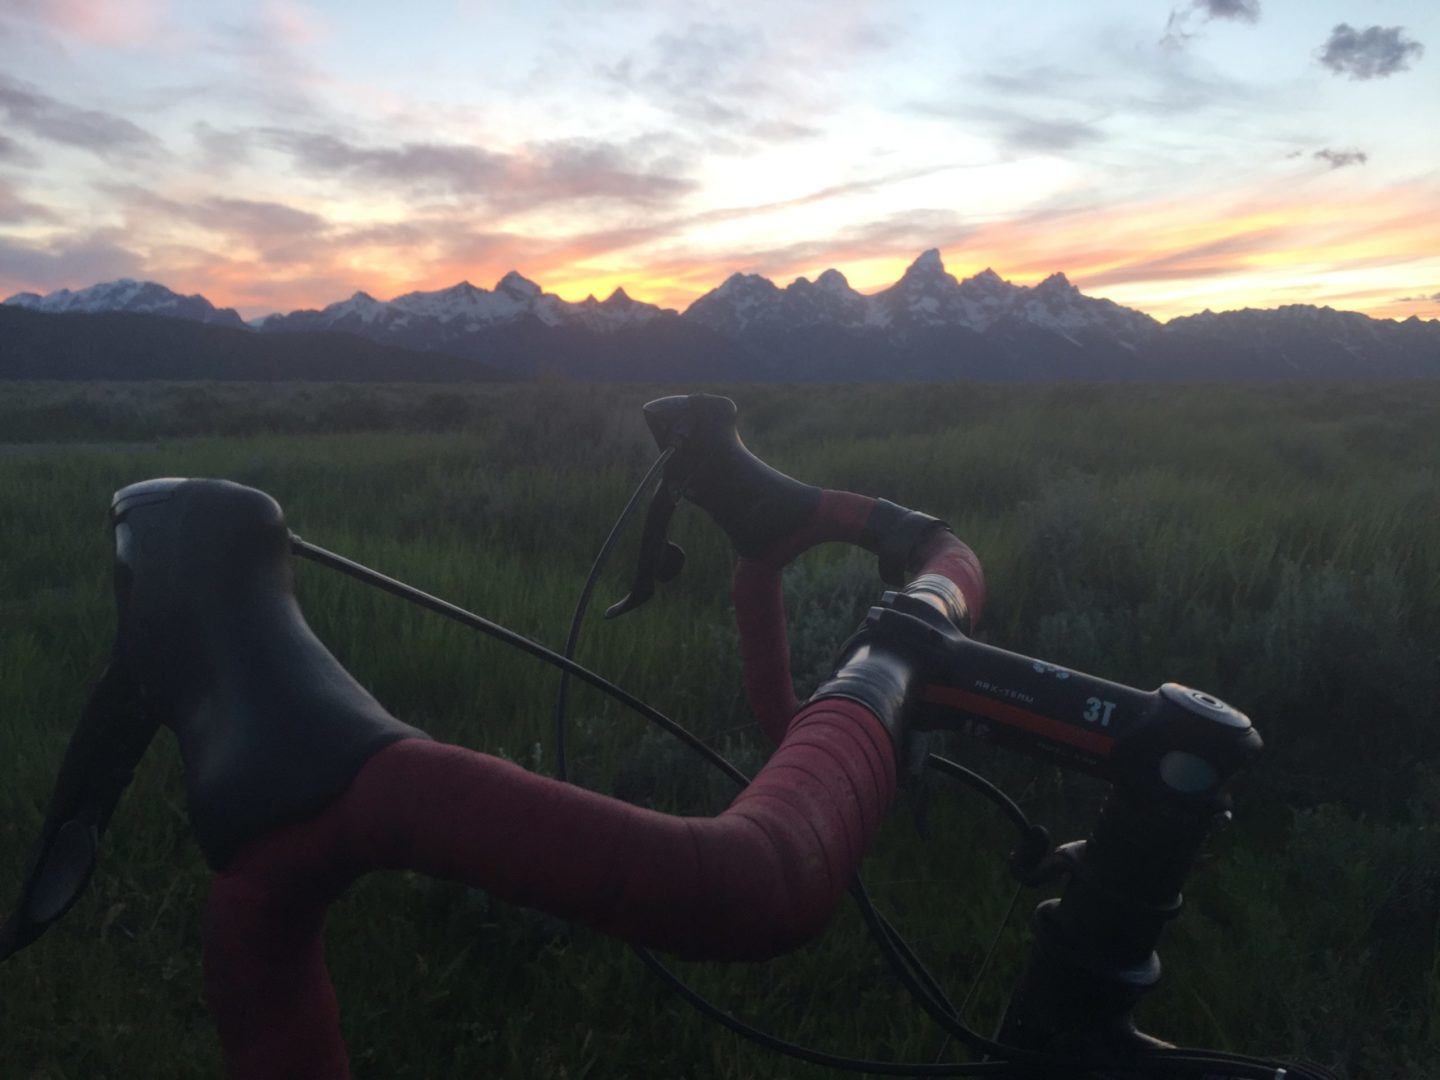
753	504
660	560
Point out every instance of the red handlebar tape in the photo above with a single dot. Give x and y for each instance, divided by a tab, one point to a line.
757	879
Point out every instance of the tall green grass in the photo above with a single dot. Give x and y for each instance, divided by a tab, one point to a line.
1279	546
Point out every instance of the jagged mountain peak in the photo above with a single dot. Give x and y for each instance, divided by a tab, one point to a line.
831	281
927	262
926	275
516	284
1057	282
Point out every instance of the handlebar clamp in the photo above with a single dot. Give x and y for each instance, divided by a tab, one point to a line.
887	659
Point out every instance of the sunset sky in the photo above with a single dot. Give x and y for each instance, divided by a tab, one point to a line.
276	154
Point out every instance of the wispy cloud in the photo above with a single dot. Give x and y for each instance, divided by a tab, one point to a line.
763	81
264	57
1338	159
710	73
1376	52
15	154
1016	130
15	208
101	133
1433	298
1215	258
259	224
426	166
545	173
1118	78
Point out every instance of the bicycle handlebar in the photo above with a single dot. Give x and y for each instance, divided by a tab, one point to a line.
204	575
1169	753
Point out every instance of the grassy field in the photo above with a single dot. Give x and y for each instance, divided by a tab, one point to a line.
1279	546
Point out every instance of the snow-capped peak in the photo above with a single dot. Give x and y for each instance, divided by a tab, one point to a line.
741	284
362	306
987	278
516	285
128	295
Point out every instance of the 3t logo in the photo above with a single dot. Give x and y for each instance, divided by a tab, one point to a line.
1098	712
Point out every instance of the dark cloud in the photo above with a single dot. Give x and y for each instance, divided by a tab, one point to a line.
255	218
563	171
15	208
1244	10
574	169
102	133
1044	136
1433	298
1177	26
1373	53
432	166
69	262
1338	159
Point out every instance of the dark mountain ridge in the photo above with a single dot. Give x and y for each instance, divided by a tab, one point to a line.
123	345
926	326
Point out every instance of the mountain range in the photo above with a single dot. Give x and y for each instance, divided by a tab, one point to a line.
928	325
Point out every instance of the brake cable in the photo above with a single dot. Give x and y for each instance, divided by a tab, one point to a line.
922	985
573	637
